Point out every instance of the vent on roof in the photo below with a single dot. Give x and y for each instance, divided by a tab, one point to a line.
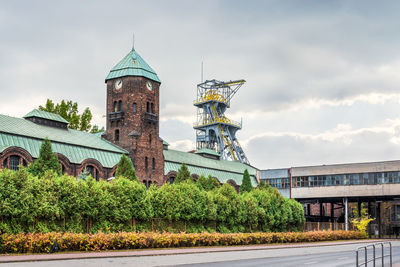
47	119
208	153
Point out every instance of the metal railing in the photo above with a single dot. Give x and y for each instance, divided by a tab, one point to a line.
326	226
374	256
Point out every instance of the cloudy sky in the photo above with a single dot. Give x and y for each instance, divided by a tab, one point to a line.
322	76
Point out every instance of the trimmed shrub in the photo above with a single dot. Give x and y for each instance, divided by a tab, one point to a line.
42	243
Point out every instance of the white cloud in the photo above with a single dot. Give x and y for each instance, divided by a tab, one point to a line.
321	80
183	145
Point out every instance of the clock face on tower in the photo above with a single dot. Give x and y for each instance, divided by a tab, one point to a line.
149	85
118	84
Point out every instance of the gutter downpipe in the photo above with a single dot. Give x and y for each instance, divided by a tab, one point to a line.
346	214
290	183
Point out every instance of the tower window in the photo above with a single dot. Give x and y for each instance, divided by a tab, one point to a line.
148	107
146	163
154	164
116	135
152	108
150	139
115	106
120	105
134	108
14	162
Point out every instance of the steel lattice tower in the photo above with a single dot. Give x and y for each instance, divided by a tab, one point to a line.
213	129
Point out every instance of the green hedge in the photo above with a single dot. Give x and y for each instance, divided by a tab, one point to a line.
65	204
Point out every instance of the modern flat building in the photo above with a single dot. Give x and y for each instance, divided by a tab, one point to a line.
331	192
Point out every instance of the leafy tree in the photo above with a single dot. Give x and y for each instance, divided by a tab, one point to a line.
361	222
125	169
183	174
263	185
246	183
47	161
69	111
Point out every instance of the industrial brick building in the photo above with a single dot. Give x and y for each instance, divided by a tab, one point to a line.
132	127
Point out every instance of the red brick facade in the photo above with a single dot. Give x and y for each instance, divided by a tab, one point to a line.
133	124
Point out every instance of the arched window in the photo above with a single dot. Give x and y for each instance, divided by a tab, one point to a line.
5	163
14	162
146	163
154	164
120	105
152	108
150	139
116	137
134	109
92	171
115	106
148	107
171	180
62	168
145	182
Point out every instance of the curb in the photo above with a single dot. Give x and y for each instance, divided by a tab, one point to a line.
164	252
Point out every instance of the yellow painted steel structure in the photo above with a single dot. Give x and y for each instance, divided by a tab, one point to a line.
214	129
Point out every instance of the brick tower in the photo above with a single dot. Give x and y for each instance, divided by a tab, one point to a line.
133	115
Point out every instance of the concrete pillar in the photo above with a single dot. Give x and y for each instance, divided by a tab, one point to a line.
346	214
378	218
332	212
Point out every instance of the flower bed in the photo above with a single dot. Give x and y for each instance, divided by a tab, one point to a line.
42	243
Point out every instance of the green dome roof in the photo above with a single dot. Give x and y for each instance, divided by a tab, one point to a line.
133	65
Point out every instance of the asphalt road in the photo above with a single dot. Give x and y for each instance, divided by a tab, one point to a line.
339	255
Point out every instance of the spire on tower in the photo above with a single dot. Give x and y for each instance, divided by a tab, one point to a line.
133	41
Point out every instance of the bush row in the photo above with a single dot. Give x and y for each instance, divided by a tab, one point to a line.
54	203
42	243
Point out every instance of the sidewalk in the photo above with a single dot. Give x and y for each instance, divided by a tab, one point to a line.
167	251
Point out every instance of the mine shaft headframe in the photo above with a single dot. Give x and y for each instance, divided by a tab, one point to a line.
228	89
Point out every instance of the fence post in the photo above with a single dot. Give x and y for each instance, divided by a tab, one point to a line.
318	226
357	258
374	256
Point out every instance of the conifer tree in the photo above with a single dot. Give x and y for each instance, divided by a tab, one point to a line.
246	183
125	169
47	161
183	174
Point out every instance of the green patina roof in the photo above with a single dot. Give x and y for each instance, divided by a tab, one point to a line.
207	151
75	145
165	143
45	115
133	65
223	170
